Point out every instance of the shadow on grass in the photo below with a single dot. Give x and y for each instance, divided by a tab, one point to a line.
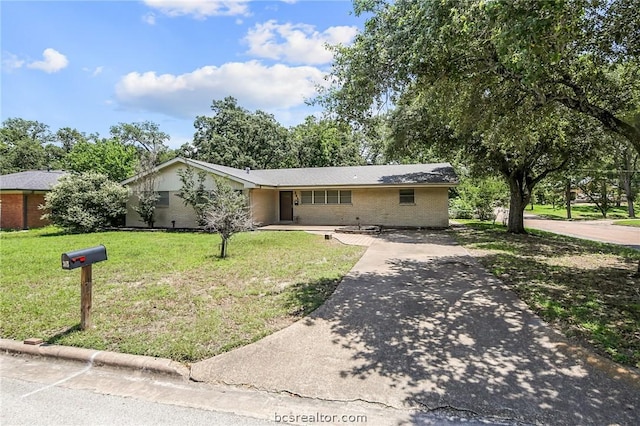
59	336
587	288
304	298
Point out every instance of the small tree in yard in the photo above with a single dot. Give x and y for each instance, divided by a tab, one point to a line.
147	199
193	193
227	213
85	202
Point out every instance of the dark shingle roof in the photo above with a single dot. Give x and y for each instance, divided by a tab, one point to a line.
38	180
400	174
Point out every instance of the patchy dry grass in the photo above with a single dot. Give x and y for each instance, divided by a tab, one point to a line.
167	294
586	289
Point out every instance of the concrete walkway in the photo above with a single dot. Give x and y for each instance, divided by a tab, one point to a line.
418	324
350	239
598	230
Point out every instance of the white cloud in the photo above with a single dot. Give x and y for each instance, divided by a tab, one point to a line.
256	86
296	43
149	18
53	61
94	72
200	9
11	62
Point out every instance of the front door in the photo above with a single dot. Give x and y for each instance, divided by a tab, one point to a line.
286	206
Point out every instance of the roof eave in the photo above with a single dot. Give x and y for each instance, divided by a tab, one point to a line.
246	183
369	185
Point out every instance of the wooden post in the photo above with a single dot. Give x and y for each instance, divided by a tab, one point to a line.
85	297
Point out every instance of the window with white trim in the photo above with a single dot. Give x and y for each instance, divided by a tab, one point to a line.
329	196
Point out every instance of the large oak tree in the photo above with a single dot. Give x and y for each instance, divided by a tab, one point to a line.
236	137
513	80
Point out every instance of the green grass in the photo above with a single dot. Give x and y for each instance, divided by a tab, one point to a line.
586	289
166	294
628	222
578	212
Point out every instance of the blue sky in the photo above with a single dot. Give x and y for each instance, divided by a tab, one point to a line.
92	64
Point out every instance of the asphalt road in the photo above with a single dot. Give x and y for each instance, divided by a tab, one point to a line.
49	391
46	391
27	403
596	230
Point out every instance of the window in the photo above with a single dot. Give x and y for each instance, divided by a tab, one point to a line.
318	197
307	197
407	196
325	197
332	197
163	199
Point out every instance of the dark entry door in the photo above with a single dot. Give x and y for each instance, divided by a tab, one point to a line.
286	205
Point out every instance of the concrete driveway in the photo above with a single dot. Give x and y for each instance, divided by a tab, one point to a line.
597	230
418	324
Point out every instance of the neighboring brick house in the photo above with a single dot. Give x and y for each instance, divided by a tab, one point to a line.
414	195
21	194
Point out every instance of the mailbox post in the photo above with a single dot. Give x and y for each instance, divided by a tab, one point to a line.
84	258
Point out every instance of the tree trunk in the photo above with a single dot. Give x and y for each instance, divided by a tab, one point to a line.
519	198
628	192
223	248
605	199
567	196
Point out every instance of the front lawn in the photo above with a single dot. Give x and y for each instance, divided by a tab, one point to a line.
167	294
586	289
627	222
578	212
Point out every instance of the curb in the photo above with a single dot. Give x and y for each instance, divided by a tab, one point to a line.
142	363
617	371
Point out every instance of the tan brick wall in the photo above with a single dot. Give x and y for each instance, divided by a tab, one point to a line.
169	180
380	207
184	216
264	204
373	206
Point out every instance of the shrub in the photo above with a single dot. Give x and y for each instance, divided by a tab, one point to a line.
460	209
85	202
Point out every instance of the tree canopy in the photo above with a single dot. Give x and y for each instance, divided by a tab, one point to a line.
513	85
324	143
235	137
106	156
27	145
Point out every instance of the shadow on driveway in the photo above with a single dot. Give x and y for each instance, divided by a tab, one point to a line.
418	324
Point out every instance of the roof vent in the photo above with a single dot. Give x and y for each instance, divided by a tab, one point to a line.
248	169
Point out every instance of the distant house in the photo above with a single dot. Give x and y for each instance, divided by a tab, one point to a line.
21	194
413	195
